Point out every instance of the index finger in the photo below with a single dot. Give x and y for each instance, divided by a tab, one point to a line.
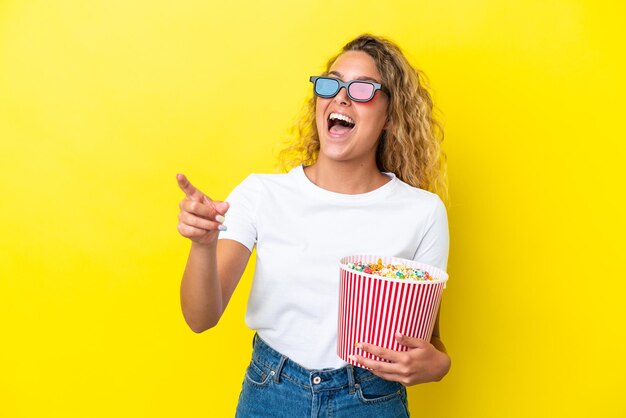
380	352
186	186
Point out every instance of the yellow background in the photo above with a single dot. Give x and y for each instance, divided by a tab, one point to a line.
103	102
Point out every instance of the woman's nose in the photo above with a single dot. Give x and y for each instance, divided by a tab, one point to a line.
342	96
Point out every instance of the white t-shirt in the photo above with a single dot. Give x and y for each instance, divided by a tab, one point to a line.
301	231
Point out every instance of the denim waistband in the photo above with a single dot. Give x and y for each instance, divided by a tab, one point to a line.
314	379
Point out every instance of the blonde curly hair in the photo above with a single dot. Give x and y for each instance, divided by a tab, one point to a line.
411	146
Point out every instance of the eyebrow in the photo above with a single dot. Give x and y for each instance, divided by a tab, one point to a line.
361	78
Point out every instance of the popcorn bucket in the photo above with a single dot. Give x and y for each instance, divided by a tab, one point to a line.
372	308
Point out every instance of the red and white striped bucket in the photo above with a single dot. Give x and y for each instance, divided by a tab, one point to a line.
372	308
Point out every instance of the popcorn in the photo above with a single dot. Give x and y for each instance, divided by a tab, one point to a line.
392	271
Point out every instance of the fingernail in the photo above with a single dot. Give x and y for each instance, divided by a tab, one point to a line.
398	334
222	227
352	357
219	218
358	345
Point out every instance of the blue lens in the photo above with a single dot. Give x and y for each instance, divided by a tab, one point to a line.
326	86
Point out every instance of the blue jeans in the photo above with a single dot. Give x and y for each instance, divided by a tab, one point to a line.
275	386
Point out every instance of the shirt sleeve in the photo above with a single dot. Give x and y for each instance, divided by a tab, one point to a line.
241	219
435	244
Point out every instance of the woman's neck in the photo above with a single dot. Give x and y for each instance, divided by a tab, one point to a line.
345	177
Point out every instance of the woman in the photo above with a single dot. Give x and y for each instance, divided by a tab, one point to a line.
369	150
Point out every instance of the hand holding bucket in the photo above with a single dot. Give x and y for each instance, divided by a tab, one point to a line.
373	308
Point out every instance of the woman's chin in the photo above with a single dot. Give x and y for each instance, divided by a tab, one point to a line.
334	150
338	155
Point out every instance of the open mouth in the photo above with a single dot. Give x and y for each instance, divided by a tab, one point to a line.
339	124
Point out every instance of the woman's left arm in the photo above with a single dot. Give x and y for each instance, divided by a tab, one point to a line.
423	362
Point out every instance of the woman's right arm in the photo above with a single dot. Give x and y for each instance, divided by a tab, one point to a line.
214	267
